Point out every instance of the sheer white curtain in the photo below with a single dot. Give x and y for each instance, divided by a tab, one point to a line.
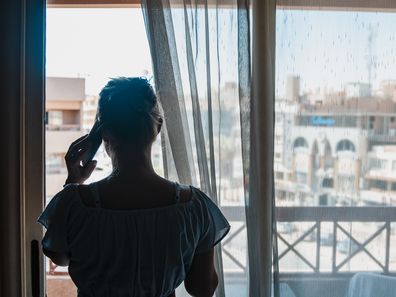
218	136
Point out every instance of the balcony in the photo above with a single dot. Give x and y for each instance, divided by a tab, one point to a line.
328	248
58	141
63	127
319	244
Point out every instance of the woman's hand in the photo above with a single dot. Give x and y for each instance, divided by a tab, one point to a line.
76	172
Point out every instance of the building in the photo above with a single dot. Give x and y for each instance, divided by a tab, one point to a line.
64	103
293	88
357	90
324	153
379	186
388	89
89	107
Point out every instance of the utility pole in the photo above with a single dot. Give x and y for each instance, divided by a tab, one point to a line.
371	59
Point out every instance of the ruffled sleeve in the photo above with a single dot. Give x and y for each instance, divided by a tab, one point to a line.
214	225
55	219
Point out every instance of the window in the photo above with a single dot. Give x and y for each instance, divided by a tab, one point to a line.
346	184
378	184
78	63
55	163
55	118
323	200
378	164
331	79
328	183
300	142
301	177
345	145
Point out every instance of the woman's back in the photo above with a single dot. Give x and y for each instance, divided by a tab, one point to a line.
132	251
137	192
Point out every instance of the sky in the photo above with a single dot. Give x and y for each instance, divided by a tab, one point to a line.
96	44
329	48
325	48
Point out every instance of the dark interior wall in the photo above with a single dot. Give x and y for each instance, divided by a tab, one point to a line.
10	45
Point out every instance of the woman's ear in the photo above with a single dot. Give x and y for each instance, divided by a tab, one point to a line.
108	138
106	135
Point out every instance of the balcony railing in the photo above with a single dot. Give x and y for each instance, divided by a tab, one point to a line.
313	219
63	127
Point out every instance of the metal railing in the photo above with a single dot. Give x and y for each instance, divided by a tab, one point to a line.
63	127
379	218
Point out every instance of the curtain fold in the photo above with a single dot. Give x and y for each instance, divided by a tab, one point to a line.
197	85
219	131
159	27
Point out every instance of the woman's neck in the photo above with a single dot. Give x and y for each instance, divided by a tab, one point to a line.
133	163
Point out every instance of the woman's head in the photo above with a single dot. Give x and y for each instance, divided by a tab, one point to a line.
129	112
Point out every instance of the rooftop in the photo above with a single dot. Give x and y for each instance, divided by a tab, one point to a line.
65	88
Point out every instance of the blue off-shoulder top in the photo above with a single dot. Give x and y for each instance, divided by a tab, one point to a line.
130	253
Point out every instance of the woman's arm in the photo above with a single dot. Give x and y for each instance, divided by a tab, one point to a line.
58	258
201	280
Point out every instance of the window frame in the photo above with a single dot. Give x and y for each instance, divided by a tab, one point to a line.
358	5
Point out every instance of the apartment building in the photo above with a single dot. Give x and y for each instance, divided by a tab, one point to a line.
380	176
326	152
64	105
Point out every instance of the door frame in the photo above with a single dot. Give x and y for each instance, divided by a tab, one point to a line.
32	140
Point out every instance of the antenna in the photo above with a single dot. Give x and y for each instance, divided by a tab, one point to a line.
371	59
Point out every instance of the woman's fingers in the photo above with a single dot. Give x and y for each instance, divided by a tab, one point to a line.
76	157
76	148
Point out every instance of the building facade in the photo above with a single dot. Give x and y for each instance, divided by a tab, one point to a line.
337	151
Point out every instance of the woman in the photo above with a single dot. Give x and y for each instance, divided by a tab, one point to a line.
133	233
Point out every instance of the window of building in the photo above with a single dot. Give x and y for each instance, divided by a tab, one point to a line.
55	118
300	142
378	184
55	163
328	183
323	200
346	183
345	145
378	164
301	177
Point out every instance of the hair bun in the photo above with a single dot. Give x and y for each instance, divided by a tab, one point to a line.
129	108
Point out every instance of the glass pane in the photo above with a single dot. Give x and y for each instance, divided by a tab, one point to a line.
85	47
335	148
